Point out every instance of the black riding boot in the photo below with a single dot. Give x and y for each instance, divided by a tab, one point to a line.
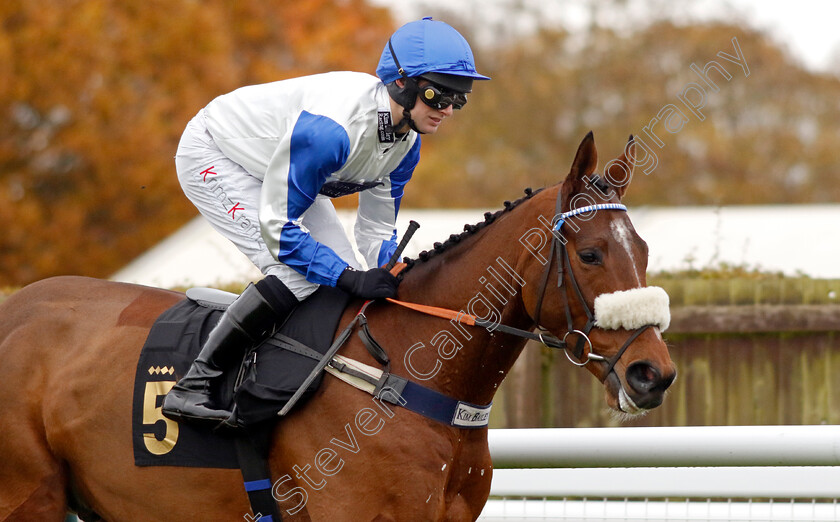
247	321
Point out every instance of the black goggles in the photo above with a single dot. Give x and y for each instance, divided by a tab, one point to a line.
441	98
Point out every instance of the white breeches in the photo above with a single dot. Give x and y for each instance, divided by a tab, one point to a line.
229	197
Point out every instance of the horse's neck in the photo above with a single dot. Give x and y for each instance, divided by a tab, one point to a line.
478	277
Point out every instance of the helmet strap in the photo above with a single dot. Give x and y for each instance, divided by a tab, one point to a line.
407	119
405	96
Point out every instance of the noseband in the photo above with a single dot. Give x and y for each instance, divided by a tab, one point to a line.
657	315
561	253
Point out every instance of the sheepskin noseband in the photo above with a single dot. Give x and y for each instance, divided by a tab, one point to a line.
632	309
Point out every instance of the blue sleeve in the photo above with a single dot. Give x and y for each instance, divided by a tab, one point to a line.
319	146
399	178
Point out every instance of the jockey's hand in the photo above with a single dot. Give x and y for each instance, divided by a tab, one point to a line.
373	284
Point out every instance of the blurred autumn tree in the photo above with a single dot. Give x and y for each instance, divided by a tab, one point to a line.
94	95
771	137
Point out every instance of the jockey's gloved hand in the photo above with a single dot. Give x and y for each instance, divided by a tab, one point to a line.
372	284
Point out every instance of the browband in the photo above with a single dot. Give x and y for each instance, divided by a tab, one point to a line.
561	218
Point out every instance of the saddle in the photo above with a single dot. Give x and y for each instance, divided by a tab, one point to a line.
267	379
271	378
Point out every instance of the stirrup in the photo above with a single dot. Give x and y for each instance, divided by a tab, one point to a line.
232	424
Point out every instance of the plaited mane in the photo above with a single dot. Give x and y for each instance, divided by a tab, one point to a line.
469	230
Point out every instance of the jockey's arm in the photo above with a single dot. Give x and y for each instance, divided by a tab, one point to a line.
376	219
316	147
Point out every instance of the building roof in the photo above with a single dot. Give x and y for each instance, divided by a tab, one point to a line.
794	239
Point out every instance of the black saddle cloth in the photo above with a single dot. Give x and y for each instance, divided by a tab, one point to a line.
270	376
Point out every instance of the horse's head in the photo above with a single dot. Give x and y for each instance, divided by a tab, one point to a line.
591	272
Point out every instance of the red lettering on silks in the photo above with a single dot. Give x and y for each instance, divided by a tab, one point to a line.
208	171
233	209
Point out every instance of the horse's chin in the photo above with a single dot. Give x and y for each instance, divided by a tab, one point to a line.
619	401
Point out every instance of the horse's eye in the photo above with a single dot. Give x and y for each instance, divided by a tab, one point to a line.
590	257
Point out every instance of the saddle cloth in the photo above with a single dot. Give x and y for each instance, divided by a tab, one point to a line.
270	377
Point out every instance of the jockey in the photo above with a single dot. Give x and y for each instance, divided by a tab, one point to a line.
262	162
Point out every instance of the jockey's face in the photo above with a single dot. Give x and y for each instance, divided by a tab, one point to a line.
426	119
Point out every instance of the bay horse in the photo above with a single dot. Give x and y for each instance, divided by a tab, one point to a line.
69	347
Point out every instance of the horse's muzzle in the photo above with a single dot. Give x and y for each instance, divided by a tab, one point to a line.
647	384
642	387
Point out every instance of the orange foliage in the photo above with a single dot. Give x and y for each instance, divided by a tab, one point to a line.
770	137
95	94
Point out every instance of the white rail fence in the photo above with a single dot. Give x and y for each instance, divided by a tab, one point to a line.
716	473
635	474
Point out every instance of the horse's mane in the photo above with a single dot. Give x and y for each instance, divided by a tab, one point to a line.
469	230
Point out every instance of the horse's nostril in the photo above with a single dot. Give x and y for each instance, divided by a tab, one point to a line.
645	378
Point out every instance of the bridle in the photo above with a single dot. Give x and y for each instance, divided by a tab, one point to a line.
561	253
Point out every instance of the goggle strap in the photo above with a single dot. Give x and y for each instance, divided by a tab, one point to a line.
453	97
396	62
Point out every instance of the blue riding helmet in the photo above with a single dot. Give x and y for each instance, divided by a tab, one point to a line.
426	49
427	46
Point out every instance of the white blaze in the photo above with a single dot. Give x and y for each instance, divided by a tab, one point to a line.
622	235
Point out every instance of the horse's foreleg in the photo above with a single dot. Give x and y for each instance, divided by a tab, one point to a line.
33	483
46	501
40	497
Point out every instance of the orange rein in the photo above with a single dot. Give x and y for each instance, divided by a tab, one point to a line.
443	313
467	319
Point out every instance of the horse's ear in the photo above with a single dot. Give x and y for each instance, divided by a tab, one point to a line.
586	160
619	171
